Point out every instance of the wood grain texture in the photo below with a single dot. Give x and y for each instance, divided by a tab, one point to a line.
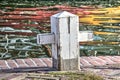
65	50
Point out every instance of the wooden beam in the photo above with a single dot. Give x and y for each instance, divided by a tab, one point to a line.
65	50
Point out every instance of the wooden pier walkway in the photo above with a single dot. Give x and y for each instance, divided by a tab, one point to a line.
41	64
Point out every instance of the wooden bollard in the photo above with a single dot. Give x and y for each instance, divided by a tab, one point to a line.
64	40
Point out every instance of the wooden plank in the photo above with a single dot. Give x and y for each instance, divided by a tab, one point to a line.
99	42
106	33
85	36
47	38
19	33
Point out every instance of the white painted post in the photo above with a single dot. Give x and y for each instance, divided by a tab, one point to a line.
65	49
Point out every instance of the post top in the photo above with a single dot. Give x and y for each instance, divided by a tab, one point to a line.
63	14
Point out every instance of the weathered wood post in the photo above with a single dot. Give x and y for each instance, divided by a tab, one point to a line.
65	50
64	40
